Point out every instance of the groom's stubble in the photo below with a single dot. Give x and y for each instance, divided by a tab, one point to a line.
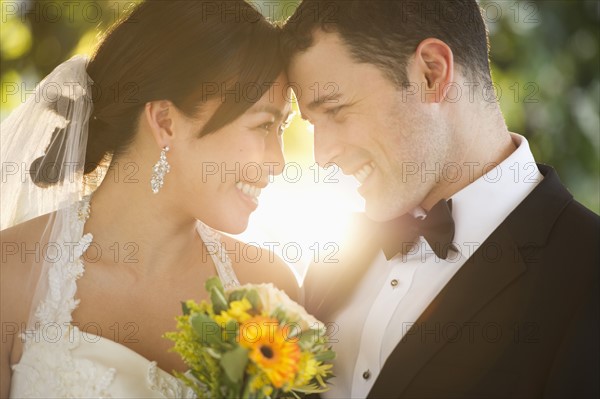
407	137
419	142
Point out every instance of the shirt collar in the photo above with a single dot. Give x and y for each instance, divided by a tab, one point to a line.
479	208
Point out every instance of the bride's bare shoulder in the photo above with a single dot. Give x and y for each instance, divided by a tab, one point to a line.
22	249
253	264
28	231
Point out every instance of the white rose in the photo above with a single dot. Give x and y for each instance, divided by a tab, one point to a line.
273	298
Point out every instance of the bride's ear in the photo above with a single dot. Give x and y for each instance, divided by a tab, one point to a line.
159	116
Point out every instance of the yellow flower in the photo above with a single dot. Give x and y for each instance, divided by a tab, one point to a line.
307	369
237	311
259	381
267	390
202	307
270	350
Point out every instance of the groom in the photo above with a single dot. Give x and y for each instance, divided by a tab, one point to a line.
476	273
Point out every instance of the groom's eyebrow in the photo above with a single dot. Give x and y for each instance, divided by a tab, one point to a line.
331	97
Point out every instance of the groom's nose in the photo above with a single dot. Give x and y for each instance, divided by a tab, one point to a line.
327	146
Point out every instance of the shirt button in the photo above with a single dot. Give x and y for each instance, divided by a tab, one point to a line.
367	375
394	283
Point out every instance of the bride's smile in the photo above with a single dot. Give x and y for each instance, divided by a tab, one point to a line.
159	176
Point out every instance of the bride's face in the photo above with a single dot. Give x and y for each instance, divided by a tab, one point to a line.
220	175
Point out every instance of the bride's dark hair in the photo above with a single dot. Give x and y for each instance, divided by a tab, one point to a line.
183	51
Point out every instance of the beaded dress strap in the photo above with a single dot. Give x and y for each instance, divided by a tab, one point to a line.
212	240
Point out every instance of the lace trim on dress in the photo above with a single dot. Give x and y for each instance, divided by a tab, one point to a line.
212	240
54	337
70	377
50	344
168	386
60	301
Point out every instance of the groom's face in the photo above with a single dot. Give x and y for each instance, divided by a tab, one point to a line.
368	127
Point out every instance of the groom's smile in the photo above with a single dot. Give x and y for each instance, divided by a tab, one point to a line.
397	93
363	173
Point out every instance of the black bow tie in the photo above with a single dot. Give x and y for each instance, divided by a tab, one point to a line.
437	228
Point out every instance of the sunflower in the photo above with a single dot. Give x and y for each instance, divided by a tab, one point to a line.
270	349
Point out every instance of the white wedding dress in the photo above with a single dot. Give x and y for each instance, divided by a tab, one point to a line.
60	361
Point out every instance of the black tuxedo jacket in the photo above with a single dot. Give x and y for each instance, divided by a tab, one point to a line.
519	319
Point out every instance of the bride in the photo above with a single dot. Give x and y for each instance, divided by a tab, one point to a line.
109	168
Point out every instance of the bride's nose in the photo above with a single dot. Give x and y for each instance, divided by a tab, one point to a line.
275	160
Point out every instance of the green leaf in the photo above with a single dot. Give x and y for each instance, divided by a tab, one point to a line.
219	302
310	389
254	299
237	295
231	329
214	283
234	363
251	295
308	338
217	294
184	308
326	356
213	353
206	328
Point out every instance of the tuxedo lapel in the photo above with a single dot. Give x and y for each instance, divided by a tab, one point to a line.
474	285
531	222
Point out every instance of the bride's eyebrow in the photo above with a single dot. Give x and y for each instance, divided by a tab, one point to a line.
274	111
267	108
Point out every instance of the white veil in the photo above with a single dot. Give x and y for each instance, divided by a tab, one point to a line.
42	155
54	117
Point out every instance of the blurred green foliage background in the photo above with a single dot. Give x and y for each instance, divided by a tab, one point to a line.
545	57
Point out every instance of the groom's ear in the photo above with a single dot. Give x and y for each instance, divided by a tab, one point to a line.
432	69
159	116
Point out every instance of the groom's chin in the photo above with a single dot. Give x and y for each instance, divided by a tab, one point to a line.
380	211
376	212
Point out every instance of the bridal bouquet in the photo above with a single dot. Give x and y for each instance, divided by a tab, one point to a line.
251	342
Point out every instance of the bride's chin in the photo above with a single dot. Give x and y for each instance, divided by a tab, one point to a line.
239	229
232	224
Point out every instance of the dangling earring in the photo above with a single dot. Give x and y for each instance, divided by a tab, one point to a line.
159	170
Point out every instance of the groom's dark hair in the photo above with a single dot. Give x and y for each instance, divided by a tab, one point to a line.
386	32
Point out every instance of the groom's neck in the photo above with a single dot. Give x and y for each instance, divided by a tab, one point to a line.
482	141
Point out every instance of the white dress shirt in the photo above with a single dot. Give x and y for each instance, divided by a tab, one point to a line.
393	294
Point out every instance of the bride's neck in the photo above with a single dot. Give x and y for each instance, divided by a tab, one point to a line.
125	213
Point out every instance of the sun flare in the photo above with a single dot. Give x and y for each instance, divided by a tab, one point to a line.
305	212
304	215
